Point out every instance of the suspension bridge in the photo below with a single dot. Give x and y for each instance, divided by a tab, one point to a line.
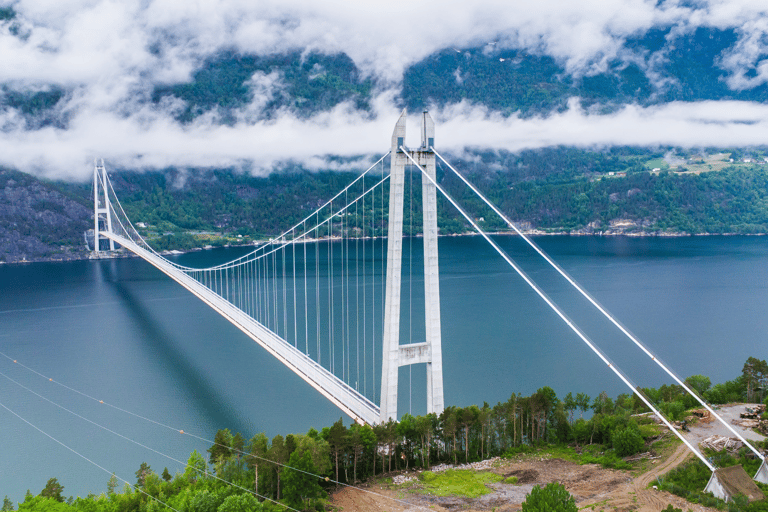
341	340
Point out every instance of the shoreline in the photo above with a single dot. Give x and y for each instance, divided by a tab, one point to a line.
106	255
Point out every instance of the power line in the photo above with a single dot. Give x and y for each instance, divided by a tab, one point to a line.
137	443
81	455
180	431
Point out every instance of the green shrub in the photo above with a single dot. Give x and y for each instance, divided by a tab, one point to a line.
549	498
522	449
627	441
511	480
676	410
648	431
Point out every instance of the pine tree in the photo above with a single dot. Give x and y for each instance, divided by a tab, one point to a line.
53	490
300	485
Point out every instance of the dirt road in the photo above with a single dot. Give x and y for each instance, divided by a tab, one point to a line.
637	496
591	485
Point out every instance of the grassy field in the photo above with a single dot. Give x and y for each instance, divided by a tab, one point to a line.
457	482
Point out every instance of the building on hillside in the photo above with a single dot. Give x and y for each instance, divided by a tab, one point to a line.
725	483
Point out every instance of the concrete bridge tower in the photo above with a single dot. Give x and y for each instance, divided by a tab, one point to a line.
396	355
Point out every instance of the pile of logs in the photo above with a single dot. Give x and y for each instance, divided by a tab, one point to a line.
720	443
703	415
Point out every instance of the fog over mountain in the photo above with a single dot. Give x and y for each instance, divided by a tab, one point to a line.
150	84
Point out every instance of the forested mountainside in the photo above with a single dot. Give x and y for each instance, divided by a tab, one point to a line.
556	190
656	190
657	67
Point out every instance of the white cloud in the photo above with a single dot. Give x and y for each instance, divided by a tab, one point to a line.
713	123
109	54
150	139
83	40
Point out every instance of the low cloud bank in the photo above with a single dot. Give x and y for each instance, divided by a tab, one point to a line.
150	140
109	55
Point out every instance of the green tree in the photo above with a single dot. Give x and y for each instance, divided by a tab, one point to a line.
467	417
337	440
53	490
359	437
582	402
754	373
222	447
278	454
484	420
43	504
698	383
449	426
676	410
570	405
406	433
205	501
112	484
166	475
627	441
240	503
7	505
257	458
300	483
602	404
142	473
318	449
551	498
425	427
238	444
196	467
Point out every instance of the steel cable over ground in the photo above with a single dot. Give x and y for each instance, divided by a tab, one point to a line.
137	443
597	305
176	430
559	311
81	455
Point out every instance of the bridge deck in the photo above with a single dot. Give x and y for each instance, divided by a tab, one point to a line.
349	400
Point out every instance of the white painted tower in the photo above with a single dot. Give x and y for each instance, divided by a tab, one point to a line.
430	351
101	205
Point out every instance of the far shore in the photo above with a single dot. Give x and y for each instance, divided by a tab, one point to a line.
90	255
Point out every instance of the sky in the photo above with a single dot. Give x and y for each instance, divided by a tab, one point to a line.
109	55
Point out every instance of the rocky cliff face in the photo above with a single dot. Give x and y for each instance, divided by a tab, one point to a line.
39	222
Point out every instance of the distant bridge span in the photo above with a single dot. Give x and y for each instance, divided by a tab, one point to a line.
229	289
357	406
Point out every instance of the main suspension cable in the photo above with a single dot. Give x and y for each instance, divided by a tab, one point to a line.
597	305
559	312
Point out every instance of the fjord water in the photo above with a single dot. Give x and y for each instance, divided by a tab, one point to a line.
121	332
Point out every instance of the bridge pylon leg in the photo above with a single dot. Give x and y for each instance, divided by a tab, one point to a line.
394	354
101	210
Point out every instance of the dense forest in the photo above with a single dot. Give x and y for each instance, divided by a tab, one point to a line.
621	190
298	470
552	190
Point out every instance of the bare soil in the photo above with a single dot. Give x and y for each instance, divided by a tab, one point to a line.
593	487
590	484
